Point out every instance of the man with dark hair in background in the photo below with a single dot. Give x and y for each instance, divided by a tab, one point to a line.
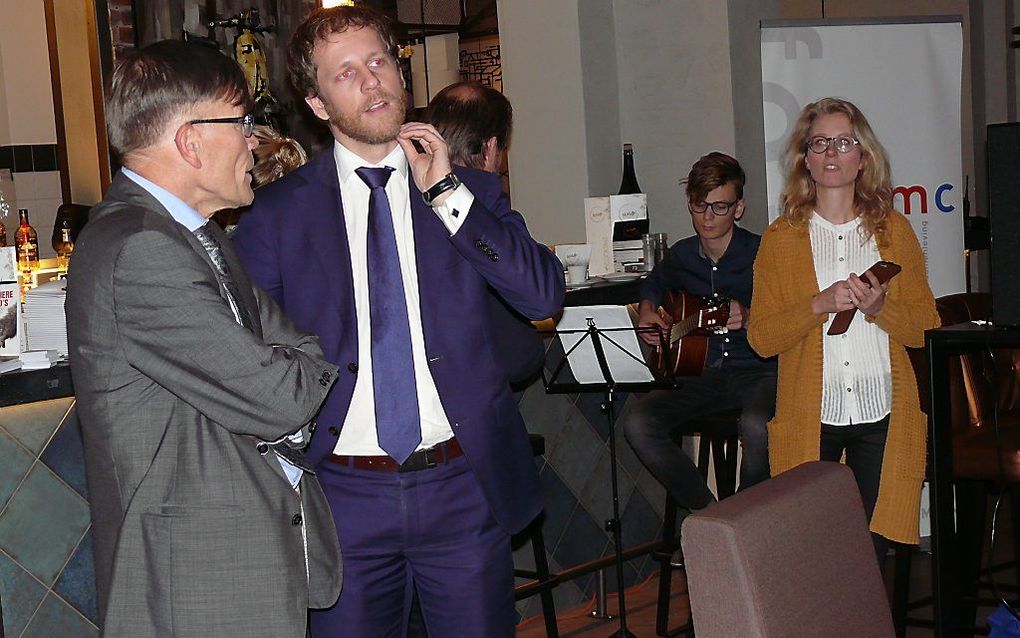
383	249
715	262
190	382
476	122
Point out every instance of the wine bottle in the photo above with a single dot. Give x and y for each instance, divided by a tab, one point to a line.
629	183
3	234
27	242
633	216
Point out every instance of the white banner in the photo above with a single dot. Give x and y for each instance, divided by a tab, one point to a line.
906	78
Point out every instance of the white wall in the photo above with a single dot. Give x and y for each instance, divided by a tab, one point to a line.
26	111
675	93
541	56
586	76
26	73
5	122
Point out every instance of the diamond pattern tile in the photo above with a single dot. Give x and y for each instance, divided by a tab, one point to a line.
32	424
77	583
65	454
57	618
21	594
14	464
43	523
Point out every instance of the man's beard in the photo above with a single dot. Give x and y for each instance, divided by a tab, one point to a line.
379	132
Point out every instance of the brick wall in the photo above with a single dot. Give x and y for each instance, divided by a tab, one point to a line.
122	30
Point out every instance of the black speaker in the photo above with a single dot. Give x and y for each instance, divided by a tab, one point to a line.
1004	215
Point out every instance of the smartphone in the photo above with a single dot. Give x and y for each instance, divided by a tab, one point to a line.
883	271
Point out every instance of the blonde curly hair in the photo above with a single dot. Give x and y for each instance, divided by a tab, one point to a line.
275	156
873	188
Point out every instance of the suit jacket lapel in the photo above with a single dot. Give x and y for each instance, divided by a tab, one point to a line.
127	191
327	232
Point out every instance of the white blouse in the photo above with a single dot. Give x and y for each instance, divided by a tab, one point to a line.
856	375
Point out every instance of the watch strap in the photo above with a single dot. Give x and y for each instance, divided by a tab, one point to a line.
448	183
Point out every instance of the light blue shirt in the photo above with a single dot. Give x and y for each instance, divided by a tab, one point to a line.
191	219
182	213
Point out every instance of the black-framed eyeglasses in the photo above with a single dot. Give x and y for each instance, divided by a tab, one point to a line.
719	208
844	143
247	122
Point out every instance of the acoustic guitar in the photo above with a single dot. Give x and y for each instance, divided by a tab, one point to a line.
692	320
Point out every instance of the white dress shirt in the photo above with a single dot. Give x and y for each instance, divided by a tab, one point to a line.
856	374
358	436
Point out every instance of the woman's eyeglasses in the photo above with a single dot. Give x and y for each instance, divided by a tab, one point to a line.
844	143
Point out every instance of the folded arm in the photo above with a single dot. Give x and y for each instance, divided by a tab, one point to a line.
176	329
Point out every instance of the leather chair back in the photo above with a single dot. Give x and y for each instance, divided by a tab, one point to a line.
787	558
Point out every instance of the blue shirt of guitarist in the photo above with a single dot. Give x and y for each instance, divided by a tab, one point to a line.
688	268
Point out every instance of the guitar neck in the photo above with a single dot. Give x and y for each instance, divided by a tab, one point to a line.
683	327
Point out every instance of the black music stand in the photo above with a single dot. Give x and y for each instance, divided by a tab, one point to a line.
608	388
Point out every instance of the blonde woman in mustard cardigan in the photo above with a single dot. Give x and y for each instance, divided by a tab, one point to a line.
853	393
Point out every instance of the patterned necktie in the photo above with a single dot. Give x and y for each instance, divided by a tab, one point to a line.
215	251
223	274
396	398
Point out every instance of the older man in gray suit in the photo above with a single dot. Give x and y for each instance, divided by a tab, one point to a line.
191	383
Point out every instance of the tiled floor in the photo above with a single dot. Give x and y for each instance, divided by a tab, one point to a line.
46	569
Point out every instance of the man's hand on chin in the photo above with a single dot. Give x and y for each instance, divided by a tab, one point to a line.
430	164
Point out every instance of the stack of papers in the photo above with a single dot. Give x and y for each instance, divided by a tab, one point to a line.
7	364
44	317
38	359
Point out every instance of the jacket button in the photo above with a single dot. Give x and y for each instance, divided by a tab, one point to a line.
262	447
352	366
296	520
334	430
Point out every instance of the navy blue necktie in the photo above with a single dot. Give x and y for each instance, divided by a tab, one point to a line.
397	420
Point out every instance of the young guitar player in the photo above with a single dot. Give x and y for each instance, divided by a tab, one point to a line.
715	263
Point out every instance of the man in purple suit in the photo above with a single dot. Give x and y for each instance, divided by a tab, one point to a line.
383	250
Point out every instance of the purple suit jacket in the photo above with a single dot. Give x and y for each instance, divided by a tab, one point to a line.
293	244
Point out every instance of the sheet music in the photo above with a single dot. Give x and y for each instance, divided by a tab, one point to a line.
583	363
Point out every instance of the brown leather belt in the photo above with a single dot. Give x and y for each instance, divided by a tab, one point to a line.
420	460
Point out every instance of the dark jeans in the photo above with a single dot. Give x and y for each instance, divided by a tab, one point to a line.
864	444
651	420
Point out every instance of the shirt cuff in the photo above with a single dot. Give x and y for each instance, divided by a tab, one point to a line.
454	209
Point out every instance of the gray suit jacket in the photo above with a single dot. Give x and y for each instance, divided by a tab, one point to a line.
196	532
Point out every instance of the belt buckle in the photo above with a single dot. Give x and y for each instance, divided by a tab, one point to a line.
429	455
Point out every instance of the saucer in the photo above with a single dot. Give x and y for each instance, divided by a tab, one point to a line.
623	276
587	283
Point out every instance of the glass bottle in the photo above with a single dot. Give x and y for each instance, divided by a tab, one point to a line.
27	242
628	184
64	246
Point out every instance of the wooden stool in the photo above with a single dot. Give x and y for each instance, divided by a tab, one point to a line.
533	533
718	438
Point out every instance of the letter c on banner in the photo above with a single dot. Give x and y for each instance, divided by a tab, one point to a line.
939	204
